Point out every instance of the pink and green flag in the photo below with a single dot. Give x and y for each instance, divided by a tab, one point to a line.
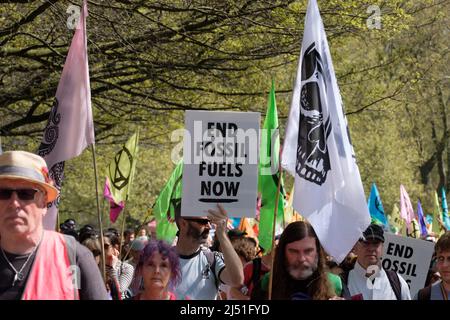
114	208
121	169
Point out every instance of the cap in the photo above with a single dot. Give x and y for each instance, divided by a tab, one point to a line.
86	228
70	223
138	244
373	232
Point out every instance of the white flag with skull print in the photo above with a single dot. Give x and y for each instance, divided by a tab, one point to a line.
317	148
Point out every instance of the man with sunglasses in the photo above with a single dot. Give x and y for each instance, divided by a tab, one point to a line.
368	279
203	270
36	264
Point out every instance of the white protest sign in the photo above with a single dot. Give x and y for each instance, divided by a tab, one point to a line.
409	257
220	155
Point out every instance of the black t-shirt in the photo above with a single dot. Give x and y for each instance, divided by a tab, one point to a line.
295	289
92	286
7	275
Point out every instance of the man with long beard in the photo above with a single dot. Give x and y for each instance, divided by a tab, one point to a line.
202	270
299	268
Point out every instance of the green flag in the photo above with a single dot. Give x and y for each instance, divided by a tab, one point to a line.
269	174
437	215
121	169
415	229
288	208
164	207
395	221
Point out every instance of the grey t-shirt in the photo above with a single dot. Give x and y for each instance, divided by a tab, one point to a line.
91	282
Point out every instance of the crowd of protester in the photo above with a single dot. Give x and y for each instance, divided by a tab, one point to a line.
41	264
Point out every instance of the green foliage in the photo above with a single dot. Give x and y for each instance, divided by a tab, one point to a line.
151	60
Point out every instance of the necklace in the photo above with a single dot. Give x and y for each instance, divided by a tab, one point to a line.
19	276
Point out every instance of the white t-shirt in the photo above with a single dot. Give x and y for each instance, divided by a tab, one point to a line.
380	289
198	282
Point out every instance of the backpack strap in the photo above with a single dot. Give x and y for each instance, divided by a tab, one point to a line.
114	289
71	246
344	277
395	283
211	258
256	274
345	291
424	294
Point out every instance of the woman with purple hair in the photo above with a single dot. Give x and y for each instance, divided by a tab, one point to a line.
159	271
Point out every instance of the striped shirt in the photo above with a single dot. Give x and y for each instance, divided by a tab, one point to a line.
122	272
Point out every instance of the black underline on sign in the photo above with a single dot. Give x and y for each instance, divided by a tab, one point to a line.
218	200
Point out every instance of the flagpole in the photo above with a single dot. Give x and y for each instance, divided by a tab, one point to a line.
57	229
442	225
123	229
273	230
99	215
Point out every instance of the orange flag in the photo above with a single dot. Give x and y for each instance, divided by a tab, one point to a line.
247	227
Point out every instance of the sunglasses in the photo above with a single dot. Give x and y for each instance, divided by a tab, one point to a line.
199	220
22	194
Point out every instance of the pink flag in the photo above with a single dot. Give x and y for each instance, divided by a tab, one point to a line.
258	208
70	128
406	208
114	208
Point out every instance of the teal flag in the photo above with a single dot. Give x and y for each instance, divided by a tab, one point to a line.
376	208
445	217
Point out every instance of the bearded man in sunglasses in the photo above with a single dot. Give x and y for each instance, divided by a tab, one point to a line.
36	264
203	270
